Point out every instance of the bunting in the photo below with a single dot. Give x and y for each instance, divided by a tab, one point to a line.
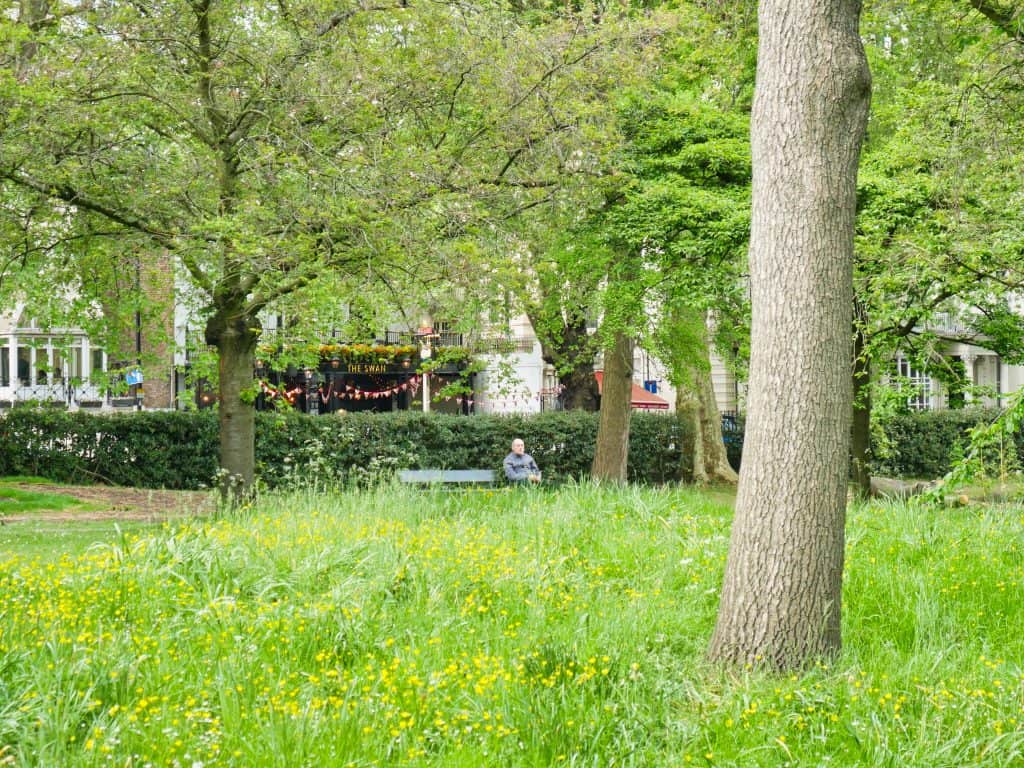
349	392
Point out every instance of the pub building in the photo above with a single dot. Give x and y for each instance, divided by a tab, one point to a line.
364	377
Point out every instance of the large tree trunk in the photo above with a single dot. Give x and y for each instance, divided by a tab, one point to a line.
31	13
612	450
579	388
860	435
234	334
780	603
570	350
698	406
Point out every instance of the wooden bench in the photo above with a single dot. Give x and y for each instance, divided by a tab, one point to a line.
448	476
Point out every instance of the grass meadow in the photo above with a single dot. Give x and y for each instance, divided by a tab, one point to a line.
496	628
15	500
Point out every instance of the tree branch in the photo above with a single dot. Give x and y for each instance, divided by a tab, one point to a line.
1007	17
71	196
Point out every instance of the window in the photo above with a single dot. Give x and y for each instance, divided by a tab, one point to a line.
97	361
59	361
42	365
25	365
918	383
75	362
5	367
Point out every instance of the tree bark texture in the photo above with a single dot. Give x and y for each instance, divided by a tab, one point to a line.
611	453
579	388
570	350
698	406
860	435
234	334
31	13
780	603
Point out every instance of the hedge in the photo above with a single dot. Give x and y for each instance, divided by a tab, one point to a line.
154	449
150	449
178	450
925	444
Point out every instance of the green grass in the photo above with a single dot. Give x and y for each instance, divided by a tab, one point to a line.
19	501
402	627
15	501
45	541
26	479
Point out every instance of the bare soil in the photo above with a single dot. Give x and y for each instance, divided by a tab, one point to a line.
111	503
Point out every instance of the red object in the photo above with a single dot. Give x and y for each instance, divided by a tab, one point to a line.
642	400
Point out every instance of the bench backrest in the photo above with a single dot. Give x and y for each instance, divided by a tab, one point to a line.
447	475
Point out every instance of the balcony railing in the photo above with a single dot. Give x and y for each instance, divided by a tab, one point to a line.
504	346
947	324
439	339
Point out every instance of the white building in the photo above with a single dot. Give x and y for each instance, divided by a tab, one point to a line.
51	364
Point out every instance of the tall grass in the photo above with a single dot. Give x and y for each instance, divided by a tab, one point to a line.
400	627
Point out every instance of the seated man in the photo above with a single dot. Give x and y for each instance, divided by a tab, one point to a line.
520	466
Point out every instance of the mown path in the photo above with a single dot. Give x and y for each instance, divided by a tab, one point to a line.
113	503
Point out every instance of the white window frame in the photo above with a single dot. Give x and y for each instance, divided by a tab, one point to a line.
921	382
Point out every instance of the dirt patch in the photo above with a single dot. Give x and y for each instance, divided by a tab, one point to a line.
110	503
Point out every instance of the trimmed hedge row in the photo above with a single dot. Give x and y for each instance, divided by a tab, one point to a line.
921	444
925	444
151	449
178	450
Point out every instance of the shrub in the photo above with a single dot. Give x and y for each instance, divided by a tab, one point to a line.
927	443
154	449
359	446
178	450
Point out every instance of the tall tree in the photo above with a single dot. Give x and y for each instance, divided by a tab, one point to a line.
611	453
937	191
264	155
683	342
780	603
686	210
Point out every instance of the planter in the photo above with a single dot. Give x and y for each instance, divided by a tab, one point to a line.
448	369
122	402
6	404
90	404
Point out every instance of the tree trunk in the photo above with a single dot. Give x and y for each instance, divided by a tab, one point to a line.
688	410
697	405
780	603
860	436
612	450
579	388
234	334
570	350
31	13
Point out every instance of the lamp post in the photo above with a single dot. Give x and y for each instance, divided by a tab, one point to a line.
425	355
425	335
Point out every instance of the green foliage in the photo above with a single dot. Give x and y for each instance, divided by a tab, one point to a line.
928	444
457	361
562	444
179	449
313	161
938	248
150	449
992	449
